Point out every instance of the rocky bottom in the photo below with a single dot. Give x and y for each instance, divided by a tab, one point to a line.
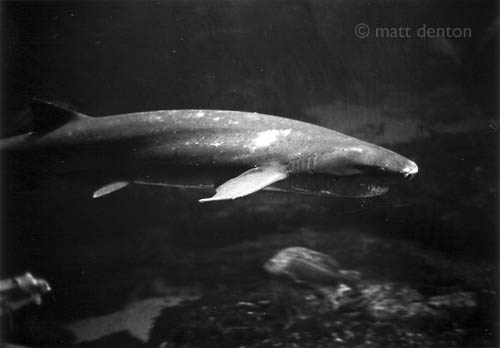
407	297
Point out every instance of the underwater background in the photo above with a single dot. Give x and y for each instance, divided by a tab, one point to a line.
150	266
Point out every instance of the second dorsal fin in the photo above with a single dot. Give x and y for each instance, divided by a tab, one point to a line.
48	116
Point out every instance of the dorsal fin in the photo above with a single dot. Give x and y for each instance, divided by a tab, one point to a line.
48	116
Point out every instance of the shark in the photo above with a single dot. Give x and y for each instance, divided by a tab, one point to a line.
232	153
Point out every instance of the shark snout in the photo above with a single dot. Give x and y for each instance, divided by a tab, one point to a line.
410	170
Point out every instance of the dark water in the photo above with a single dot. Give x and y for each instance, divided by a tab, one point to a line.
430	99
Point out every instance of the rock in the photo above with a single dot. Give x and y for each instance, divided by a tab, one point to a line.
309	267
460	299
387	301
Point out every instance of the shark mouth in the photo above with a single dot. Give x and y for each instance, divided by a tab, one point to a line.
346	187
356	191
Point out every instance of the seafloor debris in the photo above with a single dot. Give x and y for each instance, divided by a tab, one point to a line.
425	300
20	291
137	318
344	291
461	299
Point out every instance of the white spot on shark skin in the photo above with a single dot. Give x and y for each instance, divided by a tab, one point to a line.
355	149
251	116
217	143
234	122
217	118
192	142
410	169
154	118
267	138
199	114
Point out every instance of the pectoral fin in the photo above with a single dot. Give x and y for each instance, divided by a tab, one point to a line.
249	182
115	186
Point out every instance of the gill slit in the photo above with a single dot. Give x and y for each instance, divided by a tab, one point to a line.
303	164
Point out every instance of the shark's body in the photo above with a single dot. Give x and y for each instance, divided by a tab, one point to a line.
203	148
